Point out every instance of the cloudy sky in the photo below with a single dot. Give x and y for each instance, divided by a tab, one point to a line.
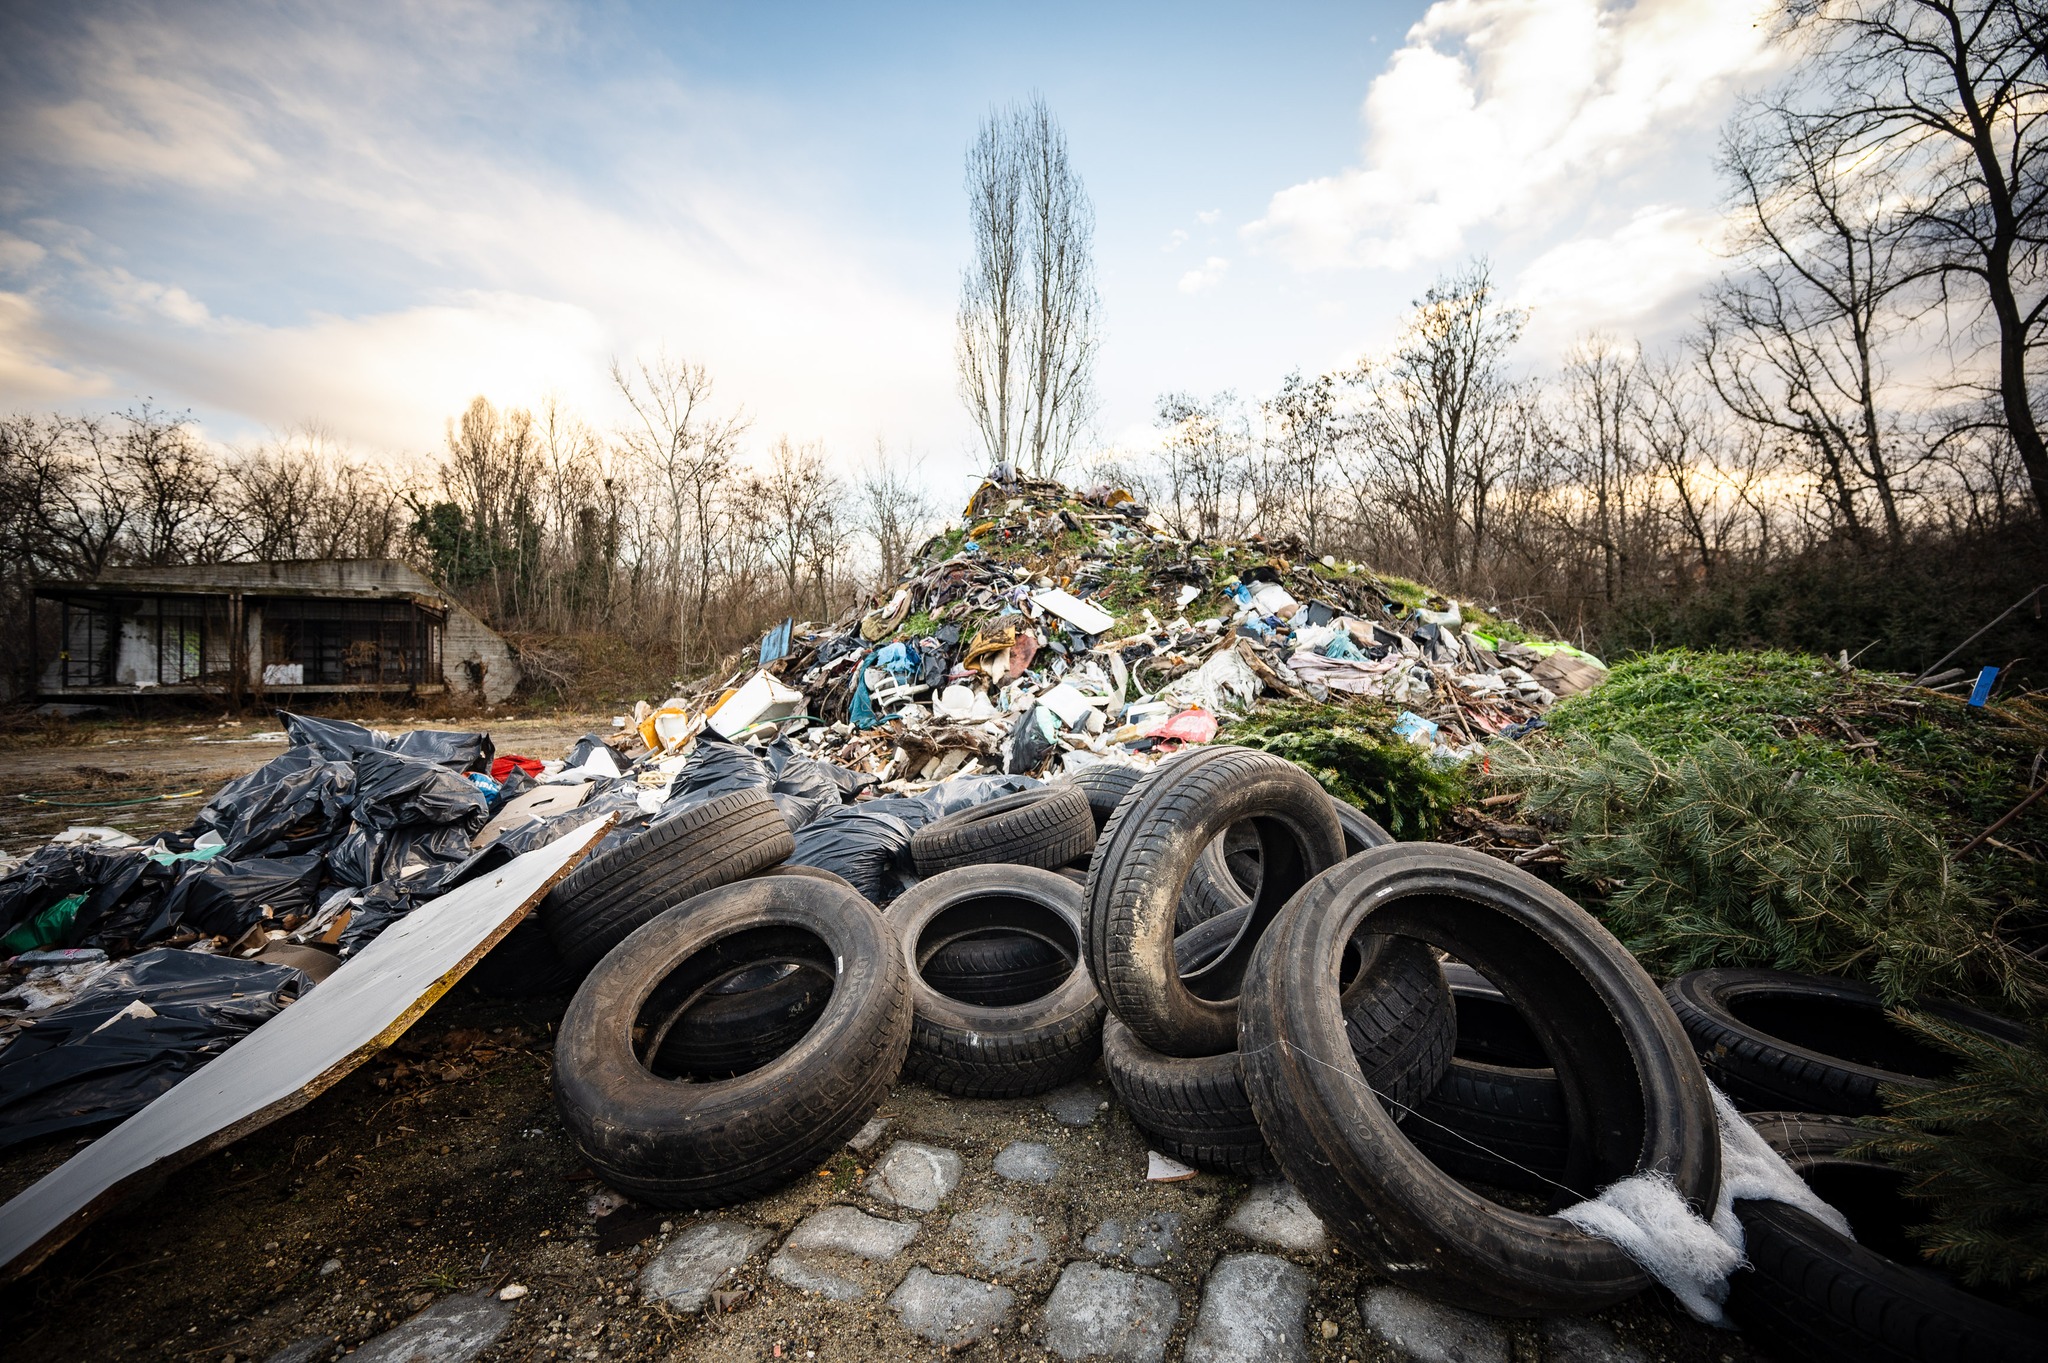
361	215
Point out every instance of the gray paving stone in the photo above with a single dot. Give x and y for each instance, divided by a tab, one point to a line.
1430	1332
1003	1239
1254	1310
1275	1214
305	1350
1147	1242
950	1310
452	1330
914	1176
1077	1104
1101	1312
1577	1339
683	1274
1028	1162
865	1138
824	1254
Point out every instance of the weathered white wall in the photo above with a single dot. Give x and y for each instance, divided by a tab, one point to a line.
474	658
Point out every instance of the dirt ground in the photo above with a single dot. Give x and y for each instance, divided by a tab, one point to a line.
96	768
441	1167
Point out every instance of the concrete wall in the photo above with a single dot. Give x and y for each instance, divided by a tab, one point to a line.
475	659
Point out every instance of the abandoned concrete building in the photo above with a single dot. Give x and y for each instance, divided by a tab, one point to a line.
251	632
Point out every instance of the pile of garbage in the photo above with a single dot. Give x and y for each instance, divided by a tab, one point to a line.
1053	629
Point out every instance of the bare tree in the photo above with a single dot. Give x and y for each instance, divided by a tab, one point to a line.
1305	449
173	481
1604	463
1438	424
1206	448
1026	324
689	452
894	509
1795	338
1950	98
797	499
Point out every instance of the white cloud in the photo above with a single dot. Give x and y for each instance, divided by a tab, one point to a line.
1208	215
1208	276
1644	275
360	133
1505	111
30	370
1175	239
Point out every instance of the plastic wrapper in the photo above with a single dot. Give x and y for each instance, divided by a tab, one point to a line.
139	1028
337	740
393	790
227	898
448	748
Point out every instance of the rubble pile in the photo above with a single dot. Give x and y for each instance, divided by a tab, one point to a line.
1055	629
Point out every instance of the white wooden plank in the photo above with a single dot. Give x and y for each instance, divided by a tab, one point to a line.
291	1059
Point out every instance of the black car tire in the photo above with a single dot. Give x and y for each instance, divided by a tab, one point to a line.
672	1143
1631	1085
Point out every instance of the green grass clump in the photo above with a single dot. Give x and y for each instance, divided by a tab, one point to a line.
1977	1150
1348	749
1725	857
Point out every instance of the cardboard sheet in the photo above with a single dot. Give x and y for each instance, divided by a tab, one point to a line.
293	1058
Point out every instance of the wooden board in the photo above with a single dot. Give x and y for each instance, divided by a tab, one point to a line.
294	1057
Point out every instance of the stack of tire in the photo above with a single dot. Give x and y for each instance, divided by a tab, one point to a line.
1194	863
739	1019
1806	1057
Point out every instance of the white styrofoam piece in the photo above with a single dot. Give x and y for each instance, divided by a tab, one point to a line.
1082	615
295	1056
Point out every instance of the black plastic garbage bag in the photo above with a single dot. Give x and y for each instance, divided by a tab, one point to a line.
1026	748
302	807
133	1033
802	779
368	855
869	843
448	748
227	898
337	740
390	900
863	843
124	909
393	790
48	874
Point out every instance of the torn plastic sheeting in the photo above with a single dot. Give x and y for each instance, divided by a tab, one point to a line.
393	790
368	855
1033	737
1367	678
392	899
1223	685
102	1057
337	740
122	888
451	748
227	898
